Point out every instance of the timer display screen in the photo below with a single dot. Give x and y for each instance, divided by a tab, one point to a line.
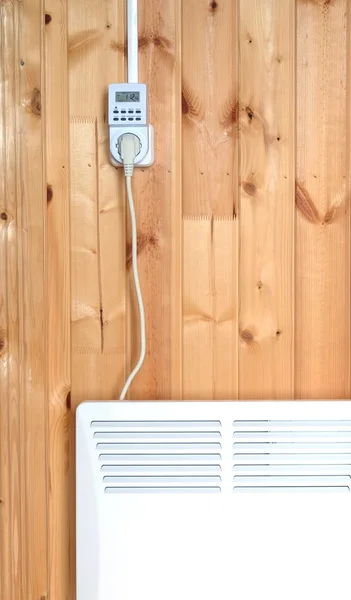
127	96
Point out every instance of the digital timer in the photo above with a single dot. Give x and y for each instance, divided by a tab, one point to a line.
128	113
127	96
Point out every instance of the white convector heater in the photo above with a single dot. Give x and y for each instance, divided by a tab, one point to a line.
213	500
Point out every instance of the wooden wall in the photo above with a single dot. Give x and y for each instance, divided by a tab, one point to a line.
243	230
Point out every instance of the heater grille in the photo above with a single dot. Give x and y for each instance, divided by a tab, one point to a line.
292	456
159	456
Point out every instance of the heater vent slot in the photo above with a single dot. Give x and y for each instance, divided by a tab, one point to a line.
292	456
159	456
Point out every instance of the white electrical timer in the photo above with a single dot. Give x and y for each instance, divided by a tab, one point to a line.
128	113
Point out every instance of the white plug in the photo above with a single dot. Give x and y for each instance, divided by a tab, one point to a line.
128	147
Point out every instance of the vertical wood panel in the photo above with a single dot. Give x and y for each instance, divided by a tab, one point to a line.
266	215
210	184
59	300
210	323
322	198
10	523
198	310
23	373
225	309
157	193
96	42
210	107
176	265
32	292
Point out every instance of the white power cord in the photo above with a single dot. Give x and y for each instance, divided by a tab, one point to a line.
129	148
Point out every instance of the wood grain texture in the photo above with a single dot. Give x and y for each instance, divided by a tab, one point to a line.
198	310
23	375
210	107
210	199
323	180
10	499
31	214
96	31
266	212
176	263
210	351
158	207
60	538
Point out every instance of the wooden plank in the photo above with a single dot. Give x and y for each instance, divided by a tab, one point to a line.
210	355
157	194
210	184
225	261
59	302
96	42
322	198
10	522
198	367
98	300
32	293
210	107
23	364
86	297
266	213
176	267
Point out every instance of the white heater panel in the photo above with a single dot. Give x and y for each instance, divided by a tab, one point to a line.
184	500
